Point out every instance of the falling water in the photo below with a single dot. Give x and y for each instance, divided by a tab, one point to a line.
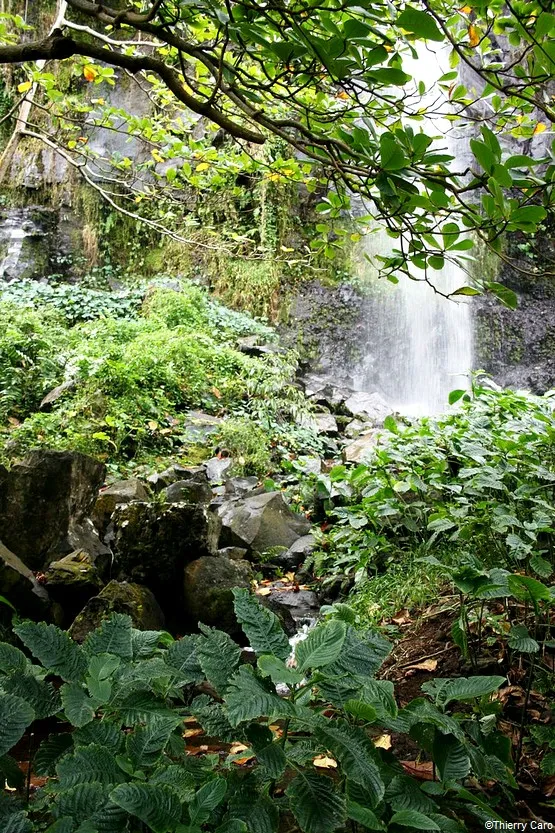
419	344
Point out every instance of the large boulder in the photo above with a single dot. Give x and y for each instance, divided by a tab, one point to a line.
361	448
260	523
195	490
208	586
119	597
20	587
72	581
162	479
371	406
44	504
153	544
292	558
123	491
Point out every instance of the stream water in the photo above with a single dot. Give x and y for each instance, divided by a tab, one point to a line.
418	344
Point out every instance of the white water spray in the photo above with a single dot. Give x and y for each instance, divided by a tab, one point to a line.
419	344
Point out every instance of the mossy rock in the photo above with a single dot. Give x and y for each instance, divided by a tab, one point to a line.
136	601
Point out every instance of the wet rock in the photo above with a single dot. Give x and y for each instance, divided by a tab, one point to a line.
309	465
123	491
72	581
303	605
136	601
282	612
362	447
216	469
163	479
200	426
260	522
20	587
321	423
208	586
325	393
356	427
241	486
296	554
249	346
234	553
189	491
154	543
44	504
370	405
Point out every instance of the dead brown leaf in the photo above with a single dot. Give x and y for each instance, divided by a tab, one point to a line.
383	742
425	665
324	762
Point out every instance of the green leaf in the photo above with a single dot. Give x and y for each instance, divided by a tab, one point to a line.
112	637
207	799
363	816
55	649
483	154
260	625
41	696
315	803
520	640
88	764
404	793
182	655
419	23
15	716
156	805
11	773
528	589
51	751
469	291
144	746
357	755
278	671
219	657
468	688
322	646
248	698
12	659
79	708
450	758
412	818
541	566
528	214
360	710
362	654
507	297
81	801
392	157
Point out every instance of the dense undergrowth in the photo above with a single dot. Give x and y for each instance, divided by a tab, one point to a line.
132	366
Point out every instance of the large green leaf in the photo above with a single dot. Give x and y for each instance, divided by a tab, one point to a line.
468	688
419	23
362	654
315	803
51	751
15	716
404	793
520	640
146	743
79	708
113	636
157	805
363	816
207	799
248	698
413	819
81	801
41	696
13	819
357	755
278	671
88	764
182	656
219	657
12	659
450	757
268	751
322	646
261	626
55	649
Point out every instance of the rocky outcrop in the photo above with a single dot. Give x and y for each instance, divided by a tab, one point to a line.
208	586
364	445
195	490
44	506
123	491
72	581
260	522
136	601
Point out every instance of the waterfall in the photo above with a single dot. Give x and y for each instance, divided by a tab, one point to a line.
419	344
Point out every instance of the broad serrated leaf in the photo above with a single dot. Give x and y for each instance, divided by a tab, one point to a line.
260	625
413	819
13	819
404	793
102	732
541	566
360	710
450	758
468	688
15	716
278	671
12	659
157	805
78	707
81	801
11	773
51	751
142	706
219	657
41	696
248	698
315	803
519	639
357	755
364	816
207	799
145	643
213	719
258	812
268	751
380	694
322	646
146	743
113	636
88	764
54	649
182	656
362	654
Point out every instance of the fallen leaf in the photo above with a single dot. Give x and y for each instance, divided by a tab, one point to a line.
423	771
263	591
237	747
24	87
426	665
192	733
323	762
383	742
290	576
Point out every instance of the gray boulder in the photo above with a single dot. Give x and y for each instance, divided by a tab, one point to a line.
44	505
154	543
199	426
162	479
123	491
260	522
296	554
119	597
371	406
20	587
241	486
362	447
216	469
321	423
303	605
208	585
72	581
195	490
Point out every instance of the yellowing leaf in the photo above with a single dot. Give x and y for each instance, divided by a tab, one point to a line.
473	35
90	72
466	9
323	762
383	742
202	166
24	87
263	591
539	128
